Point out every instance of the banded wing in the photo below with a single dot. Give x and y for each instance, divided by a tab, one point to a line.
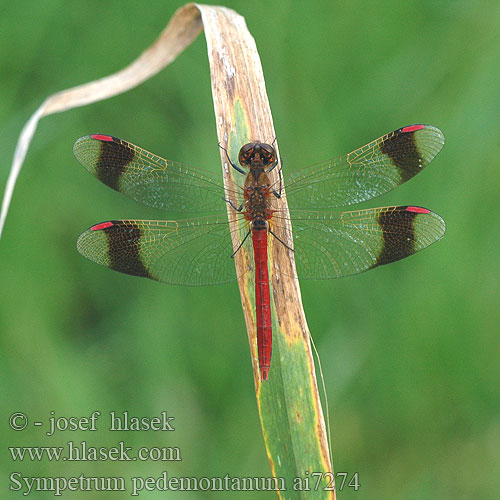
341	244
370	171
188	252
198	251
150	179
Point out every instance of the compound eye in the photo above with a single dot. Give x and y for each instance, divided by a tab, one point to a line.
269	153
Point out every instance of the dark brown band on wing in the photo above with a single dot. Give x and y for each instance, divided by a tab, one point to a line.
402	149
113	160
124	240
398	235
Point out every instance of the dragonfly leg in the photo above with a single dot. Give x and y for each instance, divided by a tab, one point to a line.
229	160
278	193
274	166
278	161
238	209
280	240
241	244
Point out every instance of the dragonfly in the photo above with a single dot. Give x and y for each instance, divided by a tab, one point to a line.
199	250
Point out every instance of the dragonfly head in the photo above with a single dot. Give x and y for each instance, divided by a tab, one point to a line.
257	155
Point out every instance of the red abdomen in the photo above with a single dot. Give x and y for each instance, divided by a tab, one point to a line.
262	301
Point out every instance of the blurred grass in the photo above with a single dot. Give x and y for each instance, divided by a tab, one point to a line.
410	351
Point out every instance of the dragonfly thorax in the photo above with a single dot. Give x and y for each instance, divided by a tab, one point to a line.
256	195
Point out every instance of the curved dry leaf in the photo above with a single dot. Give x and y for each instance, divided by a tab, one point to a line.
289	404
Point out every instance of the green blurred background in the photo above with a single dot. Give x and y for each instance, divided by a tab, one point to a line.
410	351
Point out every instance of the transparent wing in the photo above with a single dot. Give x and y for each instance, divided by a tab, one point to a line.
341	244
188	252
368	172
198	251
150	179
